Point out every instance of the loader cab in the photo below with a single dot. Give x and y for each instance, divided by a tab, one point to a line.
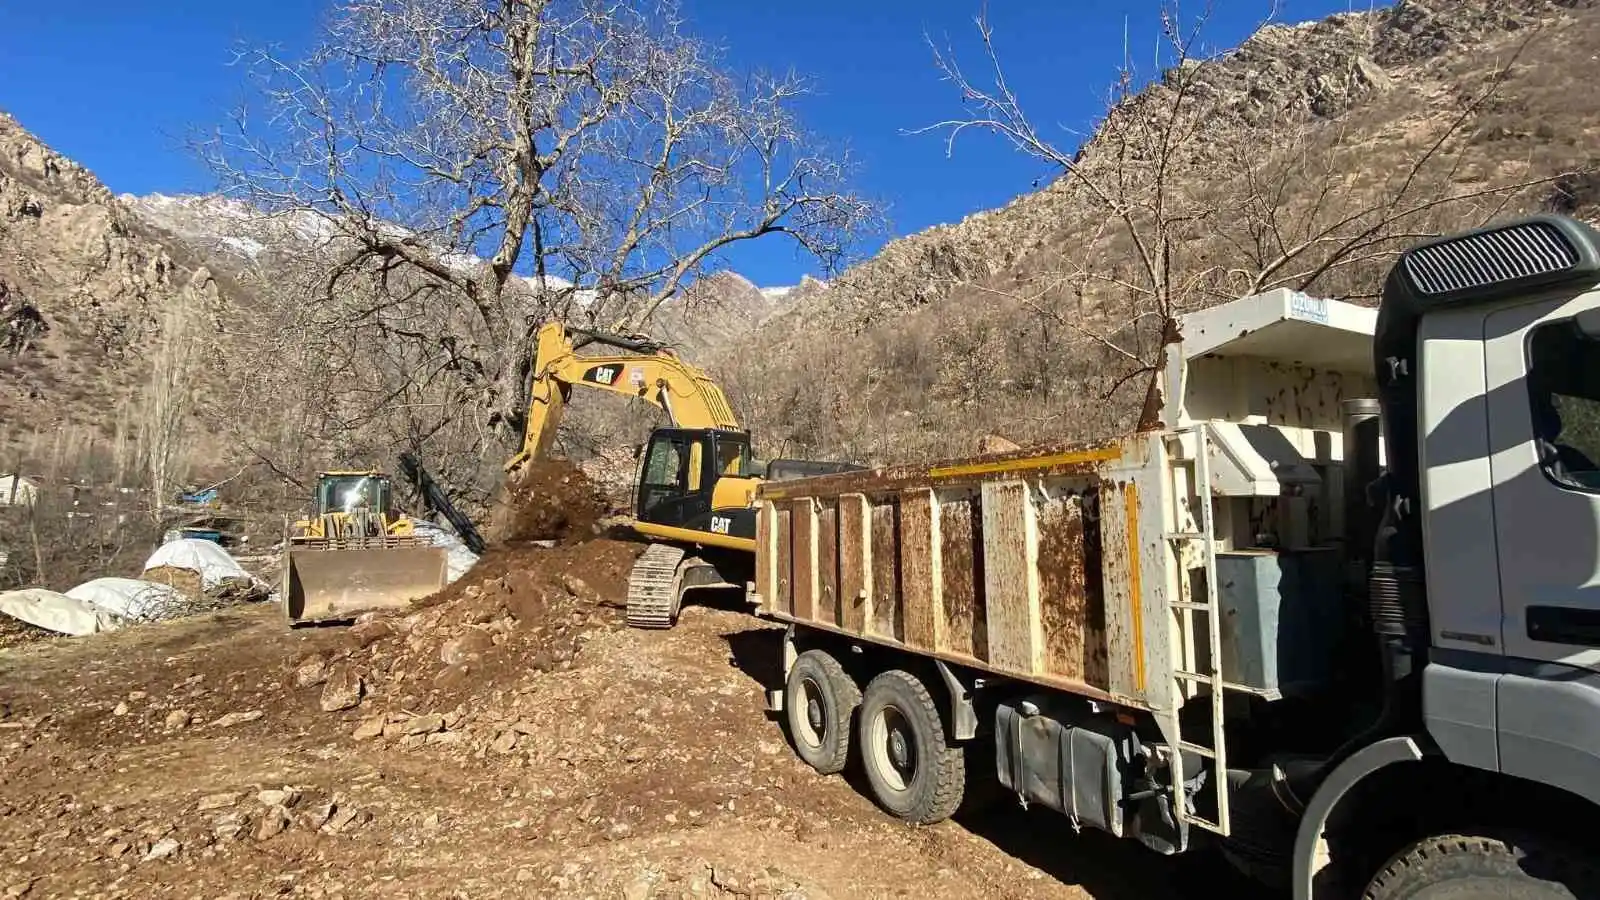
345	492
680	474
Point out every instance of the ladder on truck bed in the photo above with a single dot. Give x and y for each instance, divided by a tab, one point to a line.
1194	673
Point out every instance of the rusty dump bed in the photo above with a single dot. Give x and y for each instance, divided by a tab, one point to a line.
1031	564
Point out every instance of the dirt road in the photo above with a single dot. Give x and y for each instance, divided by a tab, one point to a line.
512	739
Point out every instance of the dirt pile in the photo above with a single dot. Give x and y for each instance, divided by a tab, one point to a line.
425	675
550	500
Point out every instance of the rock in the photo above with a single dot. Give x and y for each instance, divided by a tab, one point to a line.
472	644
576	586
136	696
18	889
318	816
178	718
162	849
423	724
275	822
370	727
229	826
217	801
365	634
994	443
447	737
346	818
525	728
285	797
641	887
1373	74
311	671
343	690
504	742
121	709
238	718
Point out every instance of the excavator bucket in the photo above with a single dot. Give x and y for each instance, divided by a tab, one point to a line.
324	581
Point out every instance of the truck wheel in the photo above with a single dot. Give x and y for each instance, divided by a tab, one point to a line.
820	698
915	775
1463	865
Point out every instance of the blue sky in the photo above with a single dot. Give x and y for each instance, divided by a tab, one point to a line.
116	84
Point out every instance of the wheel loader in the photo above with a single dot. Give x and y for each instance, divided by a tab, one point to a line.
355	553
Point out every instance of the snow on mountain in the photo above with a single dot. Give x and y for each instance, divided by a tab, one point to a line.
234	228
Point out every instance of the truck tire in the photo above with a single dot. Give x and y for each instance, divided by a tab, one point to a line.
820	699
914	773
1513	867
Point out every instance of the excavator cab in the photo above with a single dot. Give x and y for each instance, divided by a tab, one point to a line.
697	479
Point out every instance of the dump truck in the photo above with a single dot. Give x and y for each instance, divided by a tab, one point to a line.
1336	617
356	553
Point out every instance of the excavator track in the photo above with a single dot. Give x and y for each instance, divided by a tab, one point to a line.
653	587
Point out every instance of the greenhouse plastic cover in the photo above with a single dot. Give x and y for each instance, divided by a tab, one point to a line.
56	612
211	561
131	598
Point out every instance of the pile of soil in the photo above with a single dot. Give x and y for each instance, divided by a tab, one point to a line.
550	500
522	611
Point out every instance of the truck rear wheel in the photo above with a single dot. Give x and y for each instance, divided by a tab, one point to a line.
1464	865
914	773
820	699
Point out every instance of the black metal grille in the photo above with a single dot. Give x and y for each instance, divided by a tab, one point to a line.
1493	257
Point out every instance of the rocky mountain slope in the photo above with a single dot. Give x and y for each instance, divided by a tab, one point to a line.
991	324
958	331
87	291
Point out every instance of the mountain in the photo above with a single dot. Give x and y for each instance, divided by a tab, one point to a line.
89	296
1027	321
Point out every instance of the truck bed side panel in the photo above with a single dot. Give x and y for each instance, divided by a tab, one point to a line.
966	622
1033	567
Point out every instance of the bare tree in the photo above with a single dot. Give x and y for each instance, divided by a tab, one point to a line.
169	396
467	168
1155	240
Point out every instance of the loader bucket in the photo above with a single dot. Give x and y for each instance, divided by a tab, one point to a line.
322	584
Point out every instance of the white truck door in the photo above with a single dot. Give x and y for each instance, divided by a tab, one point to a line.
1543	380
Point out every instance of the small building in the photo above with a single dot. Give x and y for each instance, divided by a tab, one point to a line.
16	490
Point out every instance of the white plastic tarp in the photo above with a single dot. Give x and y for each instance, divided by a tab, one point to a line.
211	561
458	559
132	599
56	612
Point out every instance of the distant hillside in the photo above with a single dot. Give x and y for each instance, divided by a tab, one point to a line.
87	291
991	324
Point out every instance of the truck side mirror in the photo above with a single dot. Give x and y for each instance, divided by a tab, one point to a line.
1588	323
638	451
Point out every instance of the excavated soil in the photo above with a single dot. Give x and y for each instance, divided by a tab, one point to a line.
506	738
551	500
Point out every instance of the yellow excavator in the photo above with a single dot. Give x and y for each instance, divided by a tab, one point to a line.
356	552
696	479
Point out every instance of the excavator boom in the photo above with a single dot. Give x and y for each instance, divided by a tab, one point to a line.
649	372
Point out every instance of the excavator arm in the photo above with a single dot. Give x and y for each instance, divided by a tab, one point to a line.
649	372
